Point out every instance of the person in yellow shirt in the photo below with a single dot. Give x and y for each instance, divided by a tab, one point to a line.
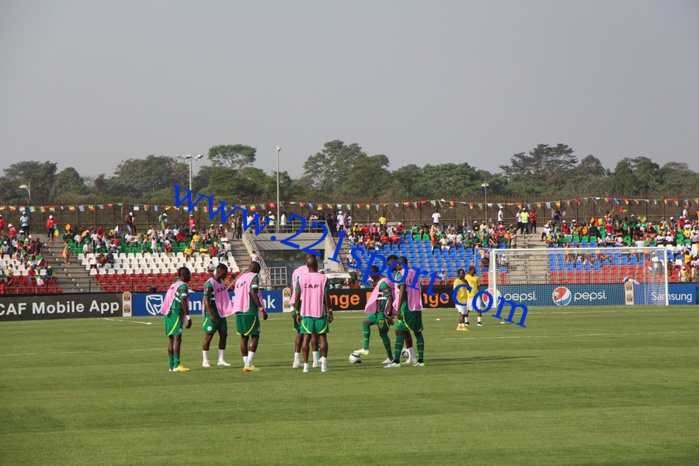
473	282
461	299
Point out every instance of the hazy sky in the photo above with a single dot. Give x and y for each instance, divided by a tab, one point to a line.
90	83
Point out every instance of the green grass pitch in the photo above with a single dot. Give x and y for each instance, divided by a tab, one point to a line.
577	386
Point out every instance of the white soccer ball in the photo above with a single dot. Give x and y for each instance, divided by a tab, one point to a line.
355	358
404	355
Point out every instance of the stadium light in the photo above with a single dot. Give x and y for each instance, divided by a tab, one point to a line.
29	191
276	219
485	190
188	158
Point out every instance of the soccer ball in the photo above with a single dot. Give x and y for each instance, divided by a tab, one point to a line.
355	358
404	355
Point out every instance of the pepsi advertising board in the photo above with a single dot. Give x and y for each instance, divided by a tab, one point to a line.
559	295
149	304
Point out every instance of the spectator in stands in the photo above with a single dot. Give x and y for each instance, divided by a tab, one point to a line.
532	221
565	228
525	221
24	222
518	216
9	276
66	252
31	273
92	260
436	217
130	223
188	252
51	276
11	231
2	224
51	228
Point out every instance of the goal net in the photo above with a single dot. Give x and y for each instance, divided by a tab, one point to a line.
584	276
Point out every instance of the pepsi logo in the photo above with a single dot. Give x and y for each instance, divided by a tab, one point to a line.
562	296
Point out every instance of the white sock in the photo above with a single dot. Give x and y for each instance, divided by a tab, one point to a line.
411	352
323	361
220	354
297	358
251	354
204	356
479	319
315	357
245	361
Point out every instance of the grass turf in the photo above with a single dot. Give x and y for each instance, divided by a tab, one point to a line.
577	386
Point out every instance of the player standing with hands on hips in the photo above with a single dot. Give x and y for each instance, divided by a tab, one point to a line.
176	310
313	311
246	306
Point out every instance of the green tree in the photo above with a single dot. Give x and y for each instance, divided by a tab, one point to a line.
544	167
68	186
40	175
235	156
588	178
238	186
624	180
368	178
136	178
327	170
678	178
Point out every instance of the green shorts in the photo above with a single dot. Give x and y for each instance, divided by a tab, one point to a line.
247	324
221	324
411	321
379	319
314	325
173	324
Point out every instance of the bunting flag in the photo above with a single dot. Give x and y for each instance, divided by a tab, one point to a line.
43	209
406	204
91	207
434	203
451	203
470	206
415	204
72	208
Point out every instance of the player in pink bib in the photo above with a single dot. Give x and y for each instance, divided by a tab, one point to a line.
247	304
313	311
217	306
299	272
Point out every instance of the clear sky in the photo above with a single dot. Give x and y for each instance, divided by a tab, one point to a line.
89	83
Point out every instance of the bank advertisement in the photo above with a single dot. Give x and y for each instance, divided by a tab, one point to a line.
149	304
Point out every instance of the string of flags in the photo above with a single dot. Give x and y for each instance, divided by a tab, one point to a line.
615	203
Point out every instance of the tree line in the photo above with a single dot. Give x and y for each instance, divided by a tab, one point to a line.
343	172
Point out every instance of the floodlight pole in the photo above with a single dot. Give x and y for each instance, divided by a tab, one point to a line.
277	218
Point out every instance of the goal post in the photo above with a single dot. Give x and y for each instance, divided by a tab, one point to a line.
582	276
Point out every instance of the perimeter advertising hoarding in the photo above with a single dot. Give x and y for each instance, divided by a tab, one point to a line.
148	304
60	306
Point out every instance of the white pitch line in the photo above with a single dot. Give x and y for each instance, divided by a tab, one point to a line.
581	335
130	321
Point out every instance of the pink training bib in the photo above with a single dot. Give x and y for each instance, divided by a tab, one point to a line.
312	293
170	297
372	303
241	300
